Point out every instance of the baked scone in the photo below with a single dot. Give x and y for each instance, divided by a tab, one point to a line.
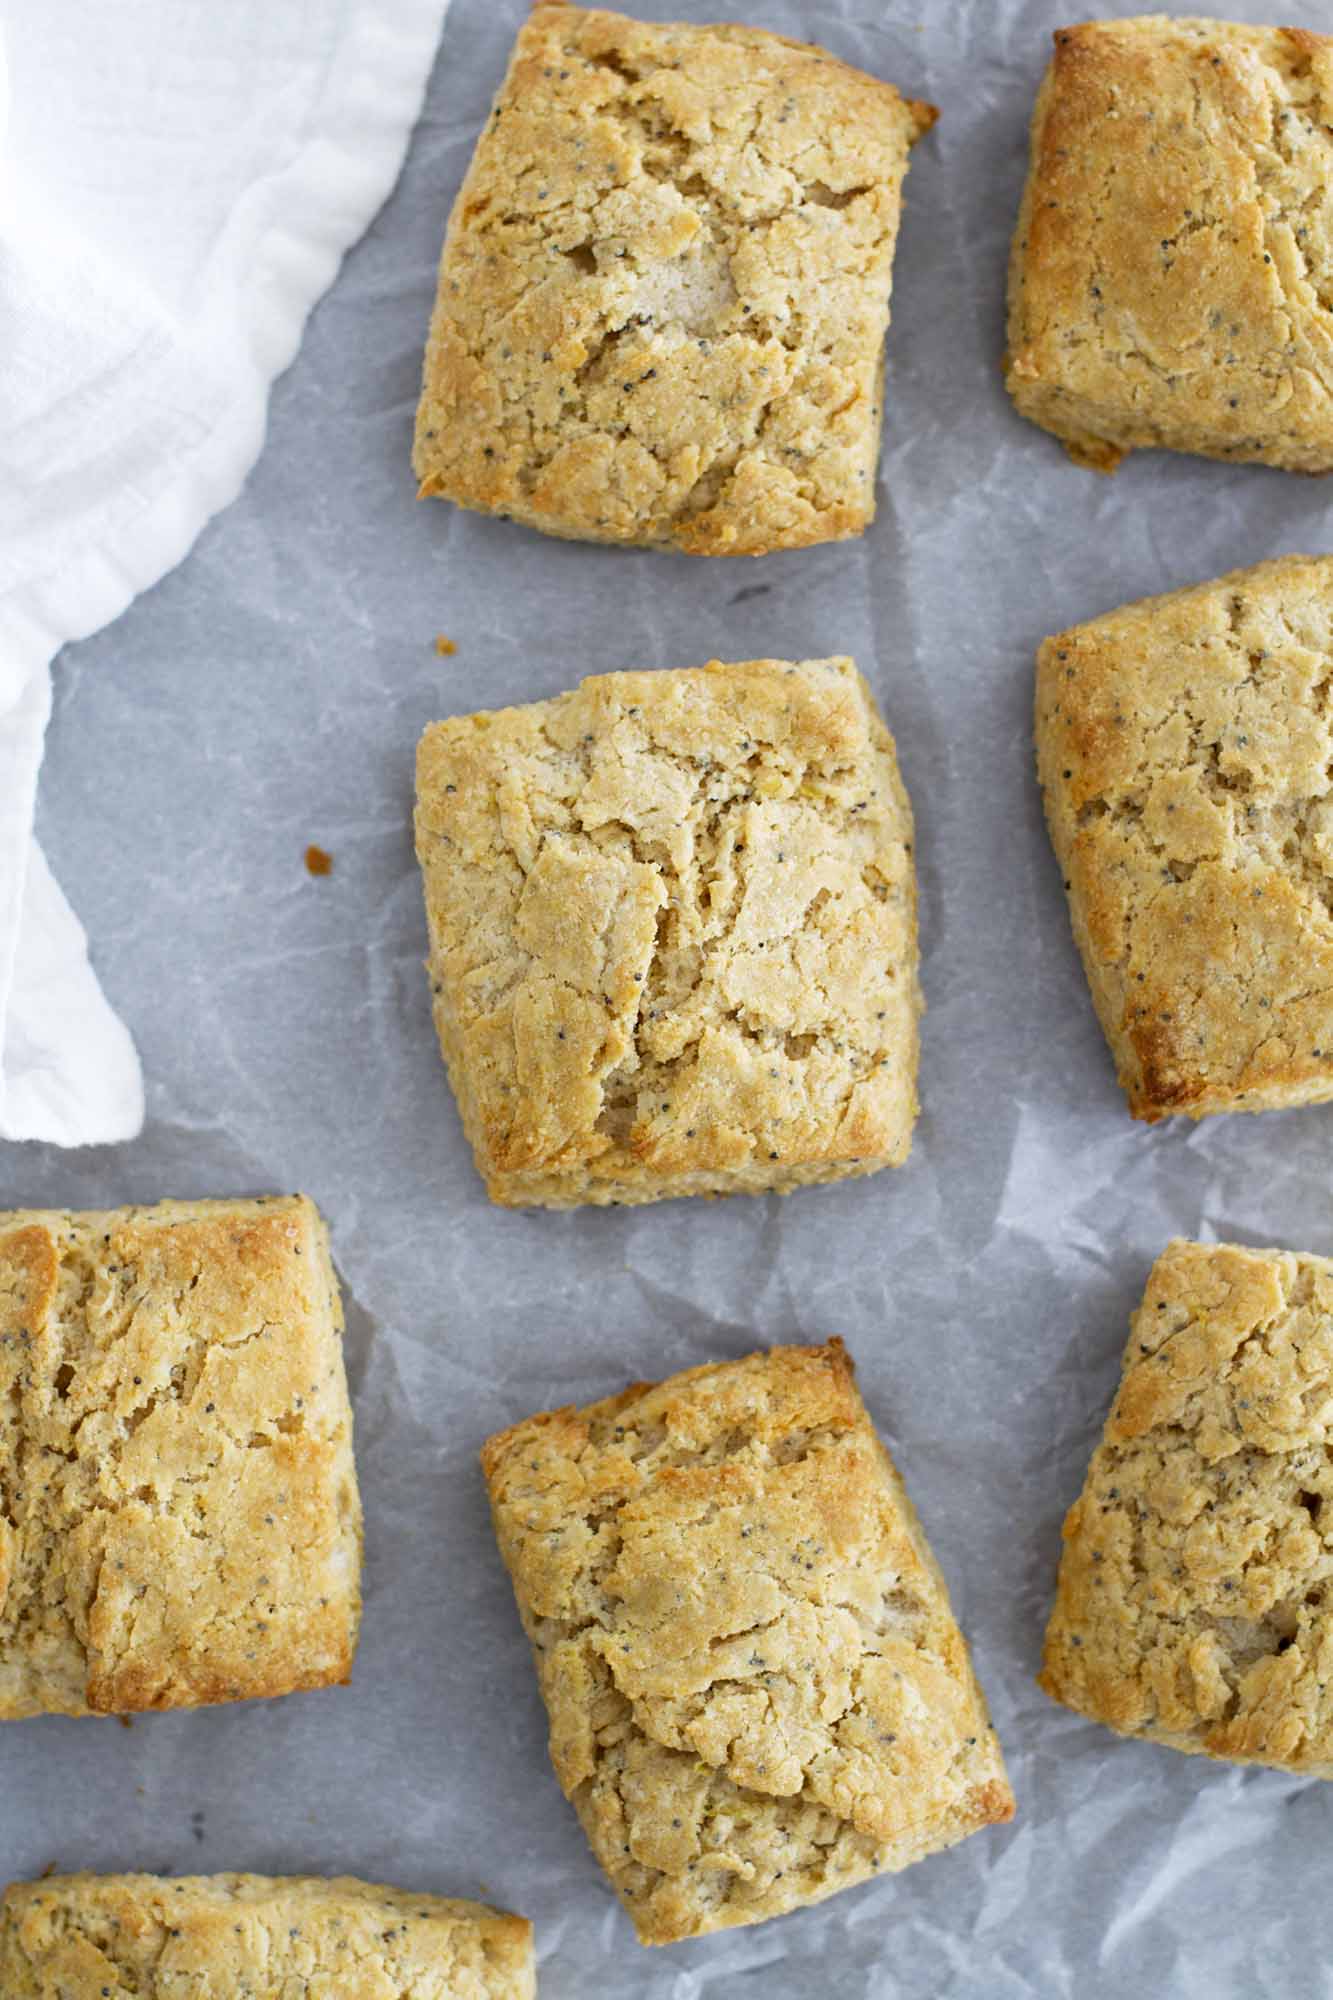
1172	273
179	1520
757	1692
673	934
1184	747
665	288
1195	1603
217	1937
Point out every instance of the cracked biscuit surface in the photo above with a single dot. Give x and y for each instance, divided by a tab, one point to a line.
179	1520
665	288
756	1688
217	1937
1195	1603
1172	274
1184	746
673	934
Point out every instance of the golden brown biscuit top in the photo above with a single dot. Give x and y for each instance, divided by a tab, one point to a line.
77	1937
730	1548
665	288
672	913
1178	234
1196	1591
1185	745
182	1519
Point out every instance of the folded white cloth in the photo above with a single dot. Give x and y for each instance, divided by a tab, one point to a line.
178	183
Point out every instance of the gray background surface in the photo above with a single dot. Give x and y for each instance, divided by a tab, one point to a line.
269	694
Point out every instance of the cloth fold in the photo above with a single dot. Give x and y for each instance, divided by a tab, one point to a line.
178	185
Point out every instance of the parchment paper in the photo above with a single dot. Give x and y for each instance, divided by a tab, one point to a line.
270	694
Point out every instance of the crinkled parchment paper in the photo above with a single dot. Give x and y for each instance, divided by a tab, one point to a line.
270	694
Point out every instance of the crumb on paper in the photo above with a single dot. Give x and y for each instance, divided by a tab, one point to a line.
319	861
444	647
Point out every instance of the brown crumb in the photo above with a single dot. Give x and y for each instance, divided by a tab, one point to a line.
318	861
444	647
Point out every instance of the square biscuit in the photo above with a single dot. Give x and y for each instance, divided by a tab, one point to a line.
756	1688
179	1520
217	1937
673	934
1172	274
1195	1601
1183	746
665	288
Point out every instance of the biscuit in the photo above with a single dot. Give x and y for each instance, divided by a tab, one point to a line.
216	1937
673	934
1183	746
1172	274
665	288
756	1689
1195	1603
179	1520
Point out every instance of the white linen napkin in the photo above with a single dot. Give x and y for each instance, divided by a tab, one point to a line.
178	182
